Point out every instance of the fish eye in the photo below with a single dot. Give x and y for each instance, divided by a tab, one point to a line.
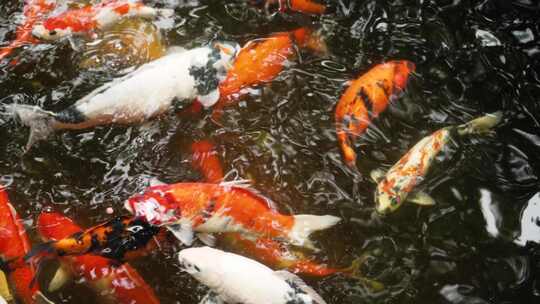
52	33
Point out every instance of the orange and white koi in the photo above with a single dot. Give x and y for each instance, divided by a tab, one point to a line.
365	99
34	10
399	184
116	283
186	208
90	18
261	60
120	239
14	244
265	250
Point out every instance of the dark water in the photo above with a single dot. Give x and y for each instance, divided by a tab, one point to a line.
472	57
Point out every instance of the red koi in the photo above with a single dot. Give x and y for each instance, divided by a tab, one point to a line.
92	18
117	283
34	10
186	208
365	99
14	244
260	61
205	160
302	6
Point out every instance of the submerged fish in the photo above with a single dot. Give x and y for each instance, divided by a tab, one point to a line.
146	92
257	283
14	244
262	60
120	239
93	18
113	282
399	184
186	208
205	159
34	10
365	99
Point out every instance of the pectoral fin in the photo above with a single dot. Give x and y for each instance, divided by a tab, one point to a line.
421	198
183	232
207	239
4	288
61	277
377	175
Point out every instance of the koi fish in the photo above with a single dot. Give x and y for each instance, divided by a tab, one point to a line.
34	10
205	160
14	244
399	184
140	95
365	99
120	239
260	61
258	284
302	6
93	18
116	283
185	208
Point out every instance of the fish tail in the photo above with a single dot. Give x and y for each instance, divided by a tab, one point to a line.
481	125
38	120
40	252
354	271
305	225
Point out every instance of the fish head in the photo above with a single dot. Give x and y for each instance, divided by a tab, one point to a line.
40	31
387	201
402	71
155	207
202	263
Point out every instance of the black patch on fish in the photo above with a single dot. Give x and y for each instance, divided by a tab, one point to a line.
367	102
126	237
71	116
294	299
205	76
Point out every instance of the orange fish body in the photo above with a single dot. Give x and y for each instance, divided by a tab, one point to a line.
262	60
205	160
307	6
120	239
217	208
119	283
365	99
14	244
33	11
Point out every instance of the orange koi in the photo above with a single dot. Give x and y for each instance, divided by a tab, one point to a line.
185	208
14	244
120	239
205	160
261	60
365	99
34	10
117	283
92	18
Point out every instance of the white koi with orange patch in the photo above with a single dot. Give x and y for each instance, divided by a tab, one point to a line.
399	183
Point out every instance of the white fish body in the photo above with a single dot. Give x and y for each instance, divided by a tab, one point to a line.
142	94
236	279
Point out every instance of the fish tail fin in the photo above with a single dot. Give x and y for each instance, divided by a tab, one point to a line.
305	225
354	271
40	252
482	124
38	120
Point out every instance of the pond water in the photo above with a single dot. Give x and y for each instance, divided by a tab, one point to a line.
479	244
